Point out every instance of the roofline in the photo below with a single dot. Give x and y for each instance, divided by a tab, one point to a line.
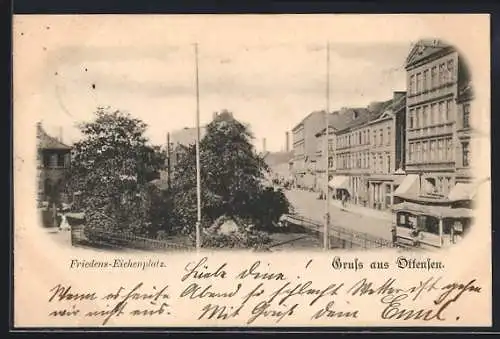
304	119
436	55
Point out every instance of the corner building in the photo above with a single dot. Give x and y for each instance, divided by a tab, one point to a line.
435	72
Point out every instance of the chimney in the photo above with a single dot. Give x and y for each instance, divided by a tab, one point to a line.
264	145
287	141
60	134
398	95
214	115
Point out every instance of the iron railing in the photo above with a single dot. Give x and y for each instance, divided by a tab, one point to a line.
340	237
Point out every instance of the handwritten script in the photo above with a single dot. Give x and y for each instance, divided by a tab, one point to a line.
260	293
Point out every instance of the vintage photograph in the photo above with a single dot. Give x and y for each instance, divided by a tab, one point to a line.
377	152
249	170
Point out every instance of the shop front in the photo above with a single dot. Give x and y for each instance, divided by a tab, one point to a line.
381	189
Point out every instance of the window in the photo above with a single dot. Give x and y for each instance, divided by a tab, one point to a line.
330	162
442	74
433	150
411	153
425	151
434	114
368	136
425	85
434	77
380	162
442	111
449	149
441	150
388	159
374	138
359	138
418	118
60	160
418	149
451	70
388	135
466	116
448	114
424	116
465	154
419	83
410	118
381	136
412	84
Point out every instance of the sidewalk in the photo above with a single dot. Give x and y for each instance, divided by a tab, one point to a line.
366	211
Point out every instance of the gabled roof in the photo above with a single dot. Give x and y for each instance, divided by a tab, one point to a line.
46	142
276	158
424	48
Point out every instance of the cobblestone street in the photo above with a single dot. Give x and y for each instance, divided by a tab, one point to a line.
307	205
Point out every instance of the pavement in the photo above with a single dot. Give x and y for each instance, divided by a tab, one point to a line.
356	218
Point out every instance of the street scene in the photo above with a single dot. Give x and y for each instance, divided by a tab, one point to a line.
305	156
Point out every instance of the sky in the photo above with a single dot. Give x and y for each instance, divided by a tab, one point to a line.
270	72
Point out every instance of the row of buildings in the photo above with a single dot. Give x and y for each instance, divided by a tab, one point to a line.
415	145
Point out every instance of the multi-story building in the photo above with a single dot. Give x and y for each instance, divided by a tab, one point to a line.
321	162
465	134
352	153
386	152
53	162
304	149
435	72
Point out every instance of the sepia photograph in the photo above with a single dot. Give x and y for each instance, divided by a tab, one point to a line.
381	161
248	154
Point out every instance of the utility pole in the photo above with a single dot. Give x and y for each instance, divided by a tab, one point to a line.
198	175
326	238
169	169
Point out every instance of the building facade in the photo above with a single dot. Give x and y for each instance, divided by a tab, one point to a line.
353	154
466	136
386	156
53	163
304	149
435	72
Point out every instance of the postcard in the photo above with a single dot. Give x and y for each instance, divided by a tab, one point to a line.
251	171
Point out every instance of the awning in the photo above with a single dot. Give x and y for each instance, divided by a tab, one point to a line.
408	185
433	211
339	182
395	179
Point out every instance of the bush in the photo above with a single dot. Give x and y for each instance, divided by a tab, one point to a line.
235	240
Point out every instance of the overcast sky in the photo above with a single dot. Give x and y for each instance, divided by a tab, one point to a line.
269	72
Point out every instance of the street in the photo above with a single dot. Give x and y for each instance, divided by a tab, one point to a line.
306	204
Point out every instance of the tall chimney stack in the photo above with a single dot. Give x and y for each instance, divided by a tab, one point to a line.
264	145
60	134
287	141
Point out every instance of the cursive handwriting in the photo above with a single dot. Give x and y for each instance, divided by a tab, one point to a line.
365	287
452	293
253	273
263	309
329	312
194	291
64	293
198	270
304	289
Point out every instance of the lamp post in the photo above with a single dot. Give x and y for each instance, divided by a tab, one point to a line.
326	239
198	176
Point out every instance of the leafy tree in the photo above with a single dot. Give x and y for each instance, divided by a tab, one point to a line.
232	177
111	167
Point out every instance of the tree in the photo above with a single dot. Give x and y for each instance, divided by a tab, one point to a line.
232	176
111	167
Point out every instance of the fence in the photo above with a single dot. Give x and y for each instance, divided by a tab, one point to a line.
341	237
99	238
